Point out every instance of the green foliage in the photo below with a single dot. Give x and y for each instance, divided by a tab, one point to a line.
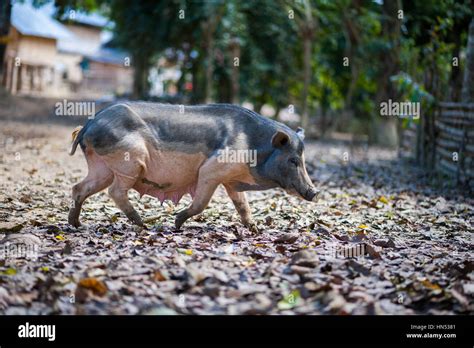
378	43
413	92
410	89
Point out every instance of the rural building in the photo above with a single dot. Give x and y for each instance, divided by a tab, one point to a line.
31	53
48	58
89	66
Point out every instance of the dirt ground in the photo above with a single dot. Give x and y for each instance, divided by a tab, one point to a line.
384	239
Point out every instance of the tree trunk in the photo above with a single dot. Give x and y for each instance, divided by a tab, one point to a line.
140	78
5	15
308	27
224	88
235	61
467	93
323	121
352	38
455	78
258	106
209	63
181	84
307	80
197	97
390	58
209	27
352	85
276	116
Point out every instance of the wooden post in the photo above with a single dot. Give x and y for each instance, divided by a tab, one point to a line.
14	86
34	74
467	93
41	78
20	78
8	74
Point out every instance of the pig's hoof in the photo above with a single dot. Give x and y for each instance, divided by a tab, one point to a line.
76	223
180	219
139	223
252	227
135	218
73	220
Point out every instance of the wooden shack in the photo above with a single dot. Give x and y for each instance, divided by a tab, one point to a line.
67	59
31	53
101	70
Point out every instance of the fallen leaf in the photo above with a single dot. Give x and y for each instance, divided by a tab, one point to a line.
158	276
372	252
185	251
385	243
8	272
10	227
287	238
427	284
304	258
97	286
290	301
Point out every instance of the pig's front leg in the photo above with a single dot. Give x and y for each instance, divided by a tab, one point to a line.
211	174
118	191
242	206
204	192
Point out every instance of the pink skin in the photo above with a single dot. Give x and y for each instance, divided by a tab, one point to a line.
175	172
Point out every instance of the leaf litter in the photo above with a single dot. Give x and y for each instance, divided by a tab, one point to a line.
382	240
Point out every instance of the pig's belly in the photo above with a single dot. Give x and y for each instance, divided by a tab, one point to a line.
169	175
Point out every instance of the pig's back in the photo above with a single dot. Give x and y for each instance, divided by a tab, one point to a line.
213	126
190	129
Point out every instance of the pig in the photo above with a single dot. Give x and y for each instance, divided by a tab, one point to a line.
166	151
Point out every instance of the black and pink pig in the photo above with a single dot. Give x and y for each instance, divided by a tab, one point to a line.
167	151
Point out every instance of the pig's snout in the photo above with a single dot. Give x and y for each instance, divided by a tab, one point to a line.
311	194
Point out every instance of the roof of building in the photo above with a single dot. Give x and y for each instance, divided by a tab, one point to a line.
90	19
83	45
35	22
109	55
29	20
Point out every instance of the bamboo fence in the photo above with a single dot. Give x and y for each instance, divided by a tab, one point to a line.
450	148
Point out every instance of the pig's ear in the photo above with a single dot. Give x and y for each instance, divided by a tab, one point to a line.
300	133
280	139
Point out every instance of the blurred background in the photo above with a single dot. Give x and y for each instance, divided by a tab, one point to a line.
325	65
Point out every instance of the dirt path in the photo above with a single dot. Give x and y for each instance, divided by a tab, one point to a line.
412	243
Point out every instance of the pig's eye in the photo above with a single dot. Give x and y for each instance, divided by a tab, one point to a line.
294	161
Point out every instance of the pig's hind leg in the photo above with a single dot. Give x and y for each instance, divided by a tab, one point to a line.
98	178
